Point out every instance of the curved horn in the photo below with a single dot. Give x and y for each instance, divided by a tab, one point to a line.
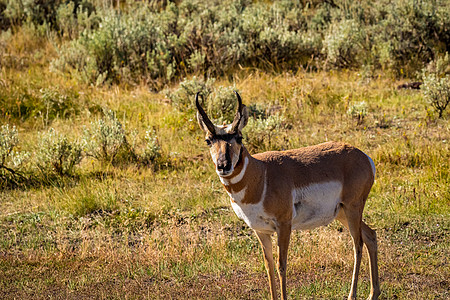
204	116
238	116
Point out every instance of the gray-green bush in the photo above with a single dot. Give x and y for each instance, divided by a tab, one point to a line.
436	83
156	46
437	92
183	97
66	17
11	160
262	134
194	36
106	138
342	43
152	148
358	111
56	154
219	101
222	103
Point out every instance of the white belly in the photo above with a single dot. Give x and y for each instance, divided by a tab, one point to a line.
315	205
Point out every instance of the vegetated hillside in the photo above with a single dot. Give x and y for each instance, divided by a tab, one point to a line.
107	188
163	41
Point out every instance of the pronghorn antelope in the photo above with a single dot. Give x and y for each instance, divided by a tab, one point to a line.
280	191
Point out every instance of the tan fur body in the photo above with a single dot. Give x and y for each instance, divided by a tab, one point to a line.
297	168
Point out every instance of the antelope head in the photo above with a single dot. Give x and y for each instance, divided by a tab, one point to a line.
224	141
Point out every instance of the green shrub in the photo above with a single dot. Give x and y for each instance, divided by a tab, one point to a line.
183	98
133	46
436	92
152	149
342	43
358	111
75	16
220	102
409	33
263	134
67	17
56	154
221	105
106	138
158	43
195	36
439	66
436	83
11	160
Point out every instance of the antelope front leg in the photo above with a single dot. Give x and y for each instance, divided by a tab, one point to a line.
284	235
266	245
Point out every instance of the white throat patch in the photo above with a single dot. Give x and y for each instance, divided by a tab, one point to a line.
239	176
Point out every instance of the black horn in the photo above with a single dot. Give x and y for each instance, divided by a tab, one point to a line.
238	116
204	116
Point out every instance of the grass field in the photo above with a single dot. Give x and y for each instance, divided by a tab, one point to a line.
168	232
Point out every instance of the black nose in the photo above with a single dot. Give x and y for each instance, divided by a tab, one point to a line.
223	165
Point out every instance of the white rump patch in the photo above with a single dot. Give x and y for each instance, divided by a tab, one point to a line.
316	204
372	164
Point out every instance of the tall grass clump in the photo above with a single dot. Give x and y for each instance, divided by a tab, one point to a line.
22	100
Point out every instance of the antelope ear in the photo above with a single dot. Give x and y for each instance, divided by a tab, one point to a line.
244	118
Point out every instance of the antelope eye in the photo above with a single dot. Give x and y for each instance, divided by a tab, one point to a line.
239	139
208	142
